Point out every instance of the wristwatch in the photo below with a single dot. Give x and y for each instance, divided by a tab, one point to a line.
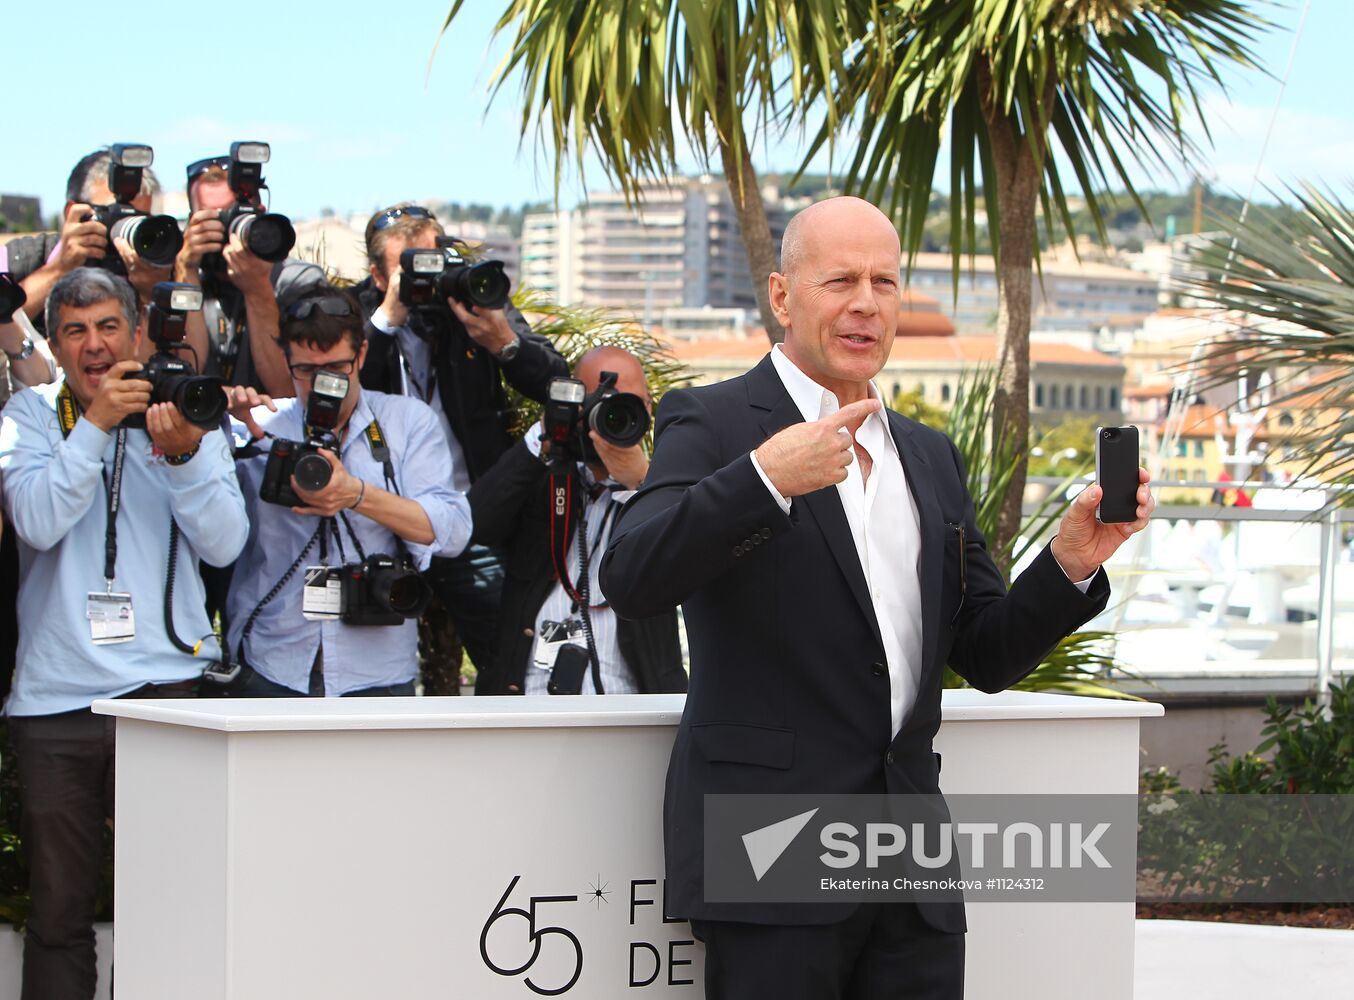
26	351
509	350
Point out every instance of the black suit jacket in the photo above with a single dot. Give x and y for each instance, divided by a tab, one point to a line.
509	507
788	688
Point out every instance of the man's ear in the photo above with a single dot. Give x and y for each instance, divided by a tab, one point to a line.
377	278
778	289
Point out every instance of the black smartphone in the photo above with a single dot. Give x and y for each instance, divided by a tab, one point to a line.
1116	470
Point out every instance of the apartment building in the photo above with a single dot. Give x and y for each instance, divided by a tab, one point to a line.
676	247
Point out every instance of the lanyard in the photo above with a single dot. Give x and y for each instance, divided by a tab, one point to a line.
67	413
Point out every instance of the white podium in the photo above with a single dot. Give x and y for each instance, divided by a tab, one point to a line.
506	847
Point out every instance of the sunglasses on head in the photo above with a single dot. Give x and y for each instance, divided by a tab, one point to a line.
199	167
392	215
330	306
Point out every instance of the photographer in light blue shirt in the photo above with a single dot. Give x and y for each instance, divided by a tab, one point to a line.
111	521
326	597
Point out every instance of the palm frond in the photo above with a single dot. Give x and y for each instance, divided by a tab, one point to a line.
1288	282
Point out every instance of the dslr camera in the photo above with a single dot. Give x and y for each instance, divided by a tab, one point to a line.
12	297
267	235
570	412
381	590
155	238
429	277
302	459
200	398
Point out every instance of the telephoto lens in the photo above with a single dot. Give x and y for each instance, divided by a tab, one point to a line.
269	236
620	419
200	398
484	284
312	472
155	238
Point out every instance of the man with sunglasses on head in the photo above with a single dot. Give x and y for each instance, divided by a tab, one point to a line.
241	292
460	361
391	491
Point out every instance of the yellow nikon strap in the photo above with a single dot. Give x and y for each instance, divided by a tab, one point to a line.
67	410
380	451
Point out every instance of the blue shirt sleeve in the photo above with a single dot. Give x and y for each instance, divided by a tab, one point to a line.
49	482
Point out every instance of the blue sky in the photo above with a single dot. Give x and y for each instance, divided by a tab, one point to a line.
341	91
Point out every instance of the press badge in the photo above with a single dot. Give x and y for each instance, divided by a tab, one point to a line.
553	636
110	617
321	600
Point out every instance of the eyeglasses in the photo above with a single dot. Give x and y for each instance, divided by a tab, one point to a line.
330	306
306	372
199	167
390	216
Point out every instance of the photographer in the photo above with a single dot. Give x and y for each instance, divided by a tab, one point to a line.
242	290
39	261
558	633
105	515
460	360
295	626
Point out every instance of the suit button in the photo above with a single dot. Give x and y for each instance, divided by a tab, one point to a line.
754	540
528	632
878	669
737	550
888	757
766	533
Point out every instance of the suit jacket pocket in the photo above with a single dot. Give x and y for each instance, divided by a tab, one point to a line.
736	743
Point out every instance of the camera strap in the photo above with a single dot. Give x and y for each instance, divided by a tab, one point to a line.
67	413
569	509
380	450
269	597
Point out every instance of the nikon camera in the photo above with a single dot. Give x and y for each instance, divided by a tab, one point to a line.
302	459
381	590
155	238
430	277
200	398
267	235
570	412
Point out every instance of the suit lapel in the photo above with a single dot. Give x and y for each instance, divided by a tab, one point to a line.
767	393
921	482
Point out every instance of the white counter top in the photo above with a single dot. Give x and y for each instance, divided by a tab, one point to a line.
241	715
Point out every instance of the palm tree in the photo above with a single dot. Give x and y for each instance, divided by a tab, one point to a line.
628	78
1292	277
1037	96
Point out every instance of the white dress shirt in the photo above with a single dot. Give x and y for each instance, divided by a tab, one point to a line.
885	527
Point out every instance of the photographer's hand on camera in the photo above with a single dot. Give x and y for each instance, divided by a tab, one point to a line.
628	466
403	516
205	234
118	397
487	327
172	434
80	240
